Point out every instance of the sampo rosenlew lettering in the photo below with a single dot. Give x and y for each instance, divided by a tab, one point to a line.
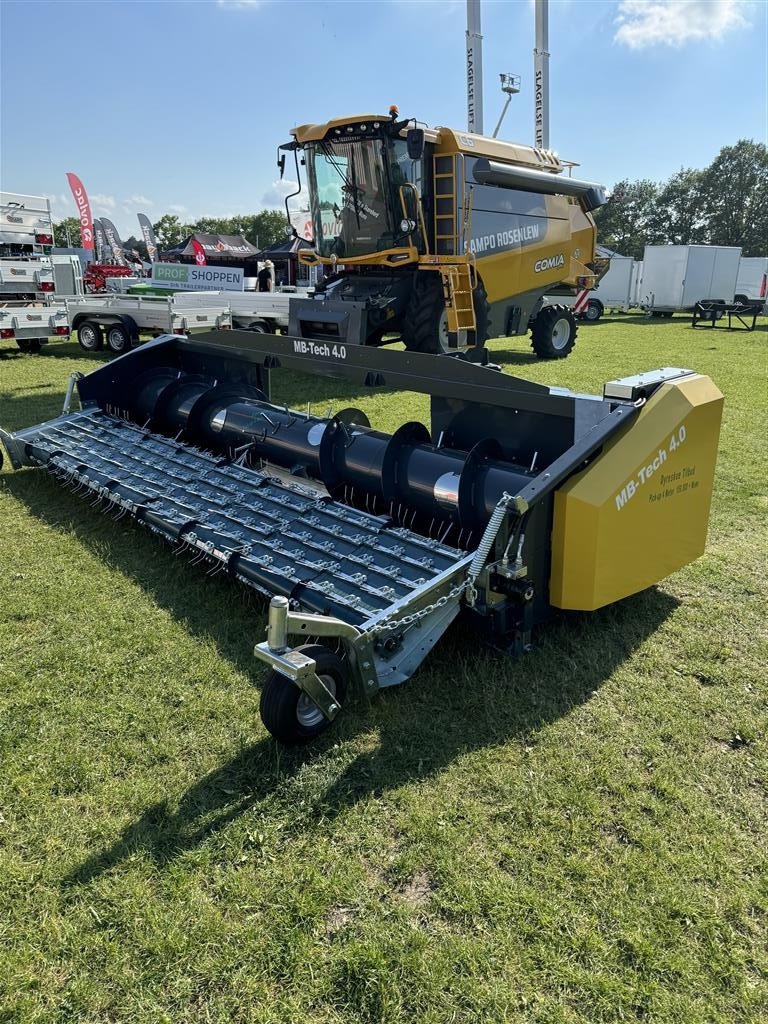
550	263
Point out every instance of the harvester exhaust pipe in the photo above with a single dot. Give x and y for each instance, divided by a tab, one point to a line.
490	172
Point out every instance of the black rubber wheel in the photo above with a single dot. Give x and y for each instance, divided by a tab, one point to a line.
118	339
425	321
287	713
23	344
90	336
259	327
742	299
594	310
553	333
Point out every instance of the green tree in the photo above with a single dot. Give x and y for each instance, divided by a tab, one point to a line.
69	228
169	230
735	197
622	223
678	213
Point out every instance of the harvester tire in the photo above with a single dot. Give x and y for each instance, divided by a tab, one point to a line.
287	713
424	323
118	339
90	336
553	333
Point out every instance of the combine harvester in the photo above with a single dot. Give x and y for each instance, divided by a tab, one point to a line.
521	499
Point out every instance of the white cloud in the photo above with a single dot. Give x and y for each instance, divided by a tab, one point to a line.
103	204
278	190
138	201
241	5
62	199
644	23
177	208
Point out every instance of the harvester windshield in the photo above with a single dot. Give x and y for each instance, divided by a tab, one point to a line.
354	192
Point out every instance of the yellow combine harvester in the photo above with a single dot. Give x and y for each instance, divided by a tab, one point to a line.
441	236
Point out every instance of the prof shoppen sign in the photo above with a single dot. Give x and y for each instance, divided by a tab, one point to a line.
190	278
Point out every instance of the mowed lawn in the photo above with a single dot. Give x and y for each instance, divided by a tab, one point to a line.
576	836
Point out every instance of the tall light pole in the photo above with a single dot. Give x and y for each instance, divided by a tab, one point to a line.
541	76
474	69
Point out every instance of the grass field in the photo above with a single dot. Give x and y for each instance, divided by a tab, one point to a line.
577	836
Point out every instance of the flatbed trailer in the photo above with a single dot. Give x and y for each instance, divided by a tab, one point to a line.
30	325
262	312
119	320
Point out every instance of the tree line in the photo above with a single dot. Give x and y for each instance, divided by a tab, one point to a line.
724	204
262	230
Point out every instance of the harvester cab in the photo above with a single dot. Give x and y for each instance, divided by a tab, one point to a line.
439	237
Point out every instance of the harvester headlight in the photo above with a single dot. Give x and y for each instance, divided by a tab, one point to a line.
406	226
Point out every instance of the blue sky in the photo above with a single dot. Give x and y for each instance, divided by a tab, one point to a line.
180	106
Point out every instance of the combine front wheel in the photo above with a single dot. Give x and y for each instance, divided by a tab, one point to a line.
287	712
553	334
425	324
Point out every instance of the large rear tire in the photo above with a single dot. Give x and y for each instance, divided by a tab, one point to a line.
553	333
90	336
287	712
425	323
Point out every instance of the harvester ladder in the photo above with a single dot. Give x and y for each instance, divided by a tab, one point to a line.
457	291
446	213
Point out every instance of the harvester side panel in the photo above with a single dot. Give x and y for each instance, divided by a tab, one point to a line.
639	512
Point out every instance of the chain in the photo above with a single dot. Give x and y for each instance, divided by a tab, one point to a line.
390	625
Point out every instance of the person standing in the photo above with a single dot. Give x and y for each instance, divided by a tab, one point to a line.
266	277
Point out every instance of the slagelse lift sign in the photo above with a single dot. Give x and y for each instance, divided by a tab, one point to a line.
191	278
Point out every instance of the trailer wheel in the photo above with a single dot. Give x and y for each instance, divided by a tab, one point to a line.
594	310
287	712
258	327
425	323
118	339
741	299
90	336
553	333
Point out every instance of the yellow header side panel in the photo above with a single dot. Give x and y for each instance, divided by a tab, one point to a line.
640	511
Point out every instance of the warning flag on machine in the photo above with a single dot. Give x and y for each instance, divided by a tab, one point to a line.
148	234
83	209
199	251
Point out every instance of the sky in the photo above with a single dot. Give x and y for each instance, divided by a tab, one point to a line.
179	105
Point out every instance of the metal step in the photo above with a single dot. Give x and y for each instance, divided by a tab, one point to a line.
276	537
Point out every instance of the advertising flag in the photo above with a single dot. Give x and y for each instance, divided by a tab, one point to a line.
200	259
114	245
148	235
100	240
83	209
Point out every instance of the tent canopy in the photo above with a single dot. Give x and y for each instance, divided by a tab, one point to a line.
219	248
285	250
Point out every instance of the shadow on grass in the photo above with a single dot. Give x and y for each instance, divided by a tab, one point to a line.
464	697
27	410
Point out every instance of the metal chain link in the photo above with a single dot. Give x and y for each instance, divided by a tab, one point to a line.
389	625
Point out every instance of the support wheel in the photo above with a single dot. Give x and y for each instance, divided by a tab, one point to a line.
118	339
287	712
425	322
593	311
90	336
553	333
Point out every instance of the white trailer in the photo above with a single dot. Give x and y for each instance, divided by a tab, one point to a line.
26	280
262	312
676	277
120	319
752	280
26	227
31	326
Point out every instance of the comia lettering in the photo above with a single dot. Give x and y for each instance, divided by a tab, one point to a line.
550	263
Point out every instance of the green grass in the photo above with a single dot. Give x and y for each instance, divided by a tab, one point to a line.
577	836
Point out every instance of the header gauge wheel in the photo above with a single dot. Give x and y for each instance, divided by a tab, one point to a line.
553	333
287	712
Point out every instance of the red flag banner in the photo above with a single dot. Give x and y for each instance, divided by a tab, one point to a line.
83	209
200	259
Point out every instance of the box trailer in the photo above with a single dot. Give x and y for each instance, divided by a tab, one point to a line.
752	280
118	320
30	326
29	280
26	227
676	277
